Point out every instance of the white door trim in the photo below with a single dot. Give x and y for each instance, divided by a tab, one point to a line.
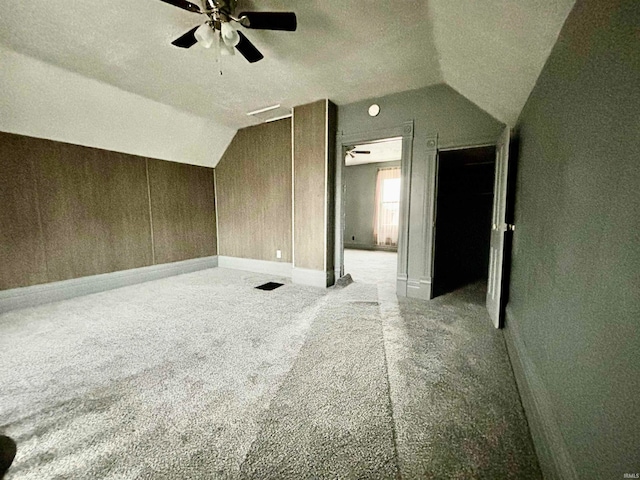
498	230
405	130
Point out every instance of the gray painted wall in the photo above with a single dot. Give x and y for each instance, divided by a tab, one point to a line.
573	317
360	181
434	110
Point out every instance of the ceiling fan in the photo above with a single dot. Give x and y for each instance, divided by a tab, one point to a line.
220	27
353	152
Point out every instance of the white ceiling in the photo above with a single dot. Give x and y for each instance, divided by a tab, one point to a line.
382	151
491	51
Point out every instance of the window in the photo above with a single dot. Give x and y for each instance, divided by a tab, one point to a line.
391	191
387	208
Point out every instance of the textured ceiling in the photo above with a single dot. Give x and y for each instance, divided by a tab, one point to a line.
491	51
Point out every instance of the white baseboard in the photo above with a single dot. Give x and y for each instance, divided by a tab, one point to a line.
313	278
401	285
419	289
55	291
280	269
551	448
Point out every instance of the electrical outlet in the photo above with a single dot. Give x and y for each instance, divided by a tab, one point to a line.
278	253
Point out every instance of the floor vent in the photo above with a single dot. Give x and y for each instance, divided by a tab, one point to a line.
269	286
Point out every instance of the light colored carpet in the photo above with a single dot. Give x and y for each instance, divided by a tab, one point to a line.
203	376
331	417
456	408
166	379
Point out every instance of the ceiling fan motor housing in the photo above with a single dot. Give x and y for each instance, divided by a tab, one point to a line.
224	6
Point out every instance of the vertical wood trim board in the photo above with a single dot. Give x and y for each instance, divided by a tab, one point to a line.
153	247
215	206
330	200
214	218
39	216
293	188
326	181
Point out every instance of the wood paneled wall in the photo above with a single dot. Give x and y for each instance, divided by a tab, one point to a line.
22	259
253	182
312	190
69	211
182	211
94	210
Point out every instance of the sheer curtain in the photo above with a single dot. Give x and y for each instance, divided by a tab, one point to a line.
387	208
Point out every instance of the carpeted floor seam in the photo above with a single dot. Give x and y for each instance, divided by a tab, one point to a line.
314	310
394	433
331	417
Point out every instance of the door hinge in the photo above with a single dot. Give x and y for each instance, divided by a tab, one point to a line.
511	227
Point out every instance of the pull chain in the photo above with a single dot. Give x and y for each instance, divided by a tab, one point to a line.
218	51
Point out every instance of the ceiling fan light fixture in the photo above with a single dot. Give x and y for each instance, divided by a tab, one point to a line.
229	34
226	50
205	35
219	30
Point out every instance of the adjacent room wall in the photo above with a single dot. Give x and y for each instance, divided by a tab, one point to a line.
360	193
70	211
463	217
573	318
253	182
40	100
434	110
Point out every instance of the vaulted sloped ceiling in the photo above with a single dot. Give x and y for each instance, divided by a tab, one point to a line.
491	51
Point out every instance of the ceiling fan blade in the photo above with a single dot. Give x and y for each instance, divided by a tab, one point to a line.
187	40
184	4
269	20
248	50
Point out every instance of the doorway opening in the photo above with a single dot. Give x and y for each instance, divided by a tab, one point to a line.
464	202
371	186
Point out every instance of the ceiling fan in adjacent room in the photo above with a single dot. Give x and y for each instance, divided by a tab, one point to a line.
220	28
353	152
